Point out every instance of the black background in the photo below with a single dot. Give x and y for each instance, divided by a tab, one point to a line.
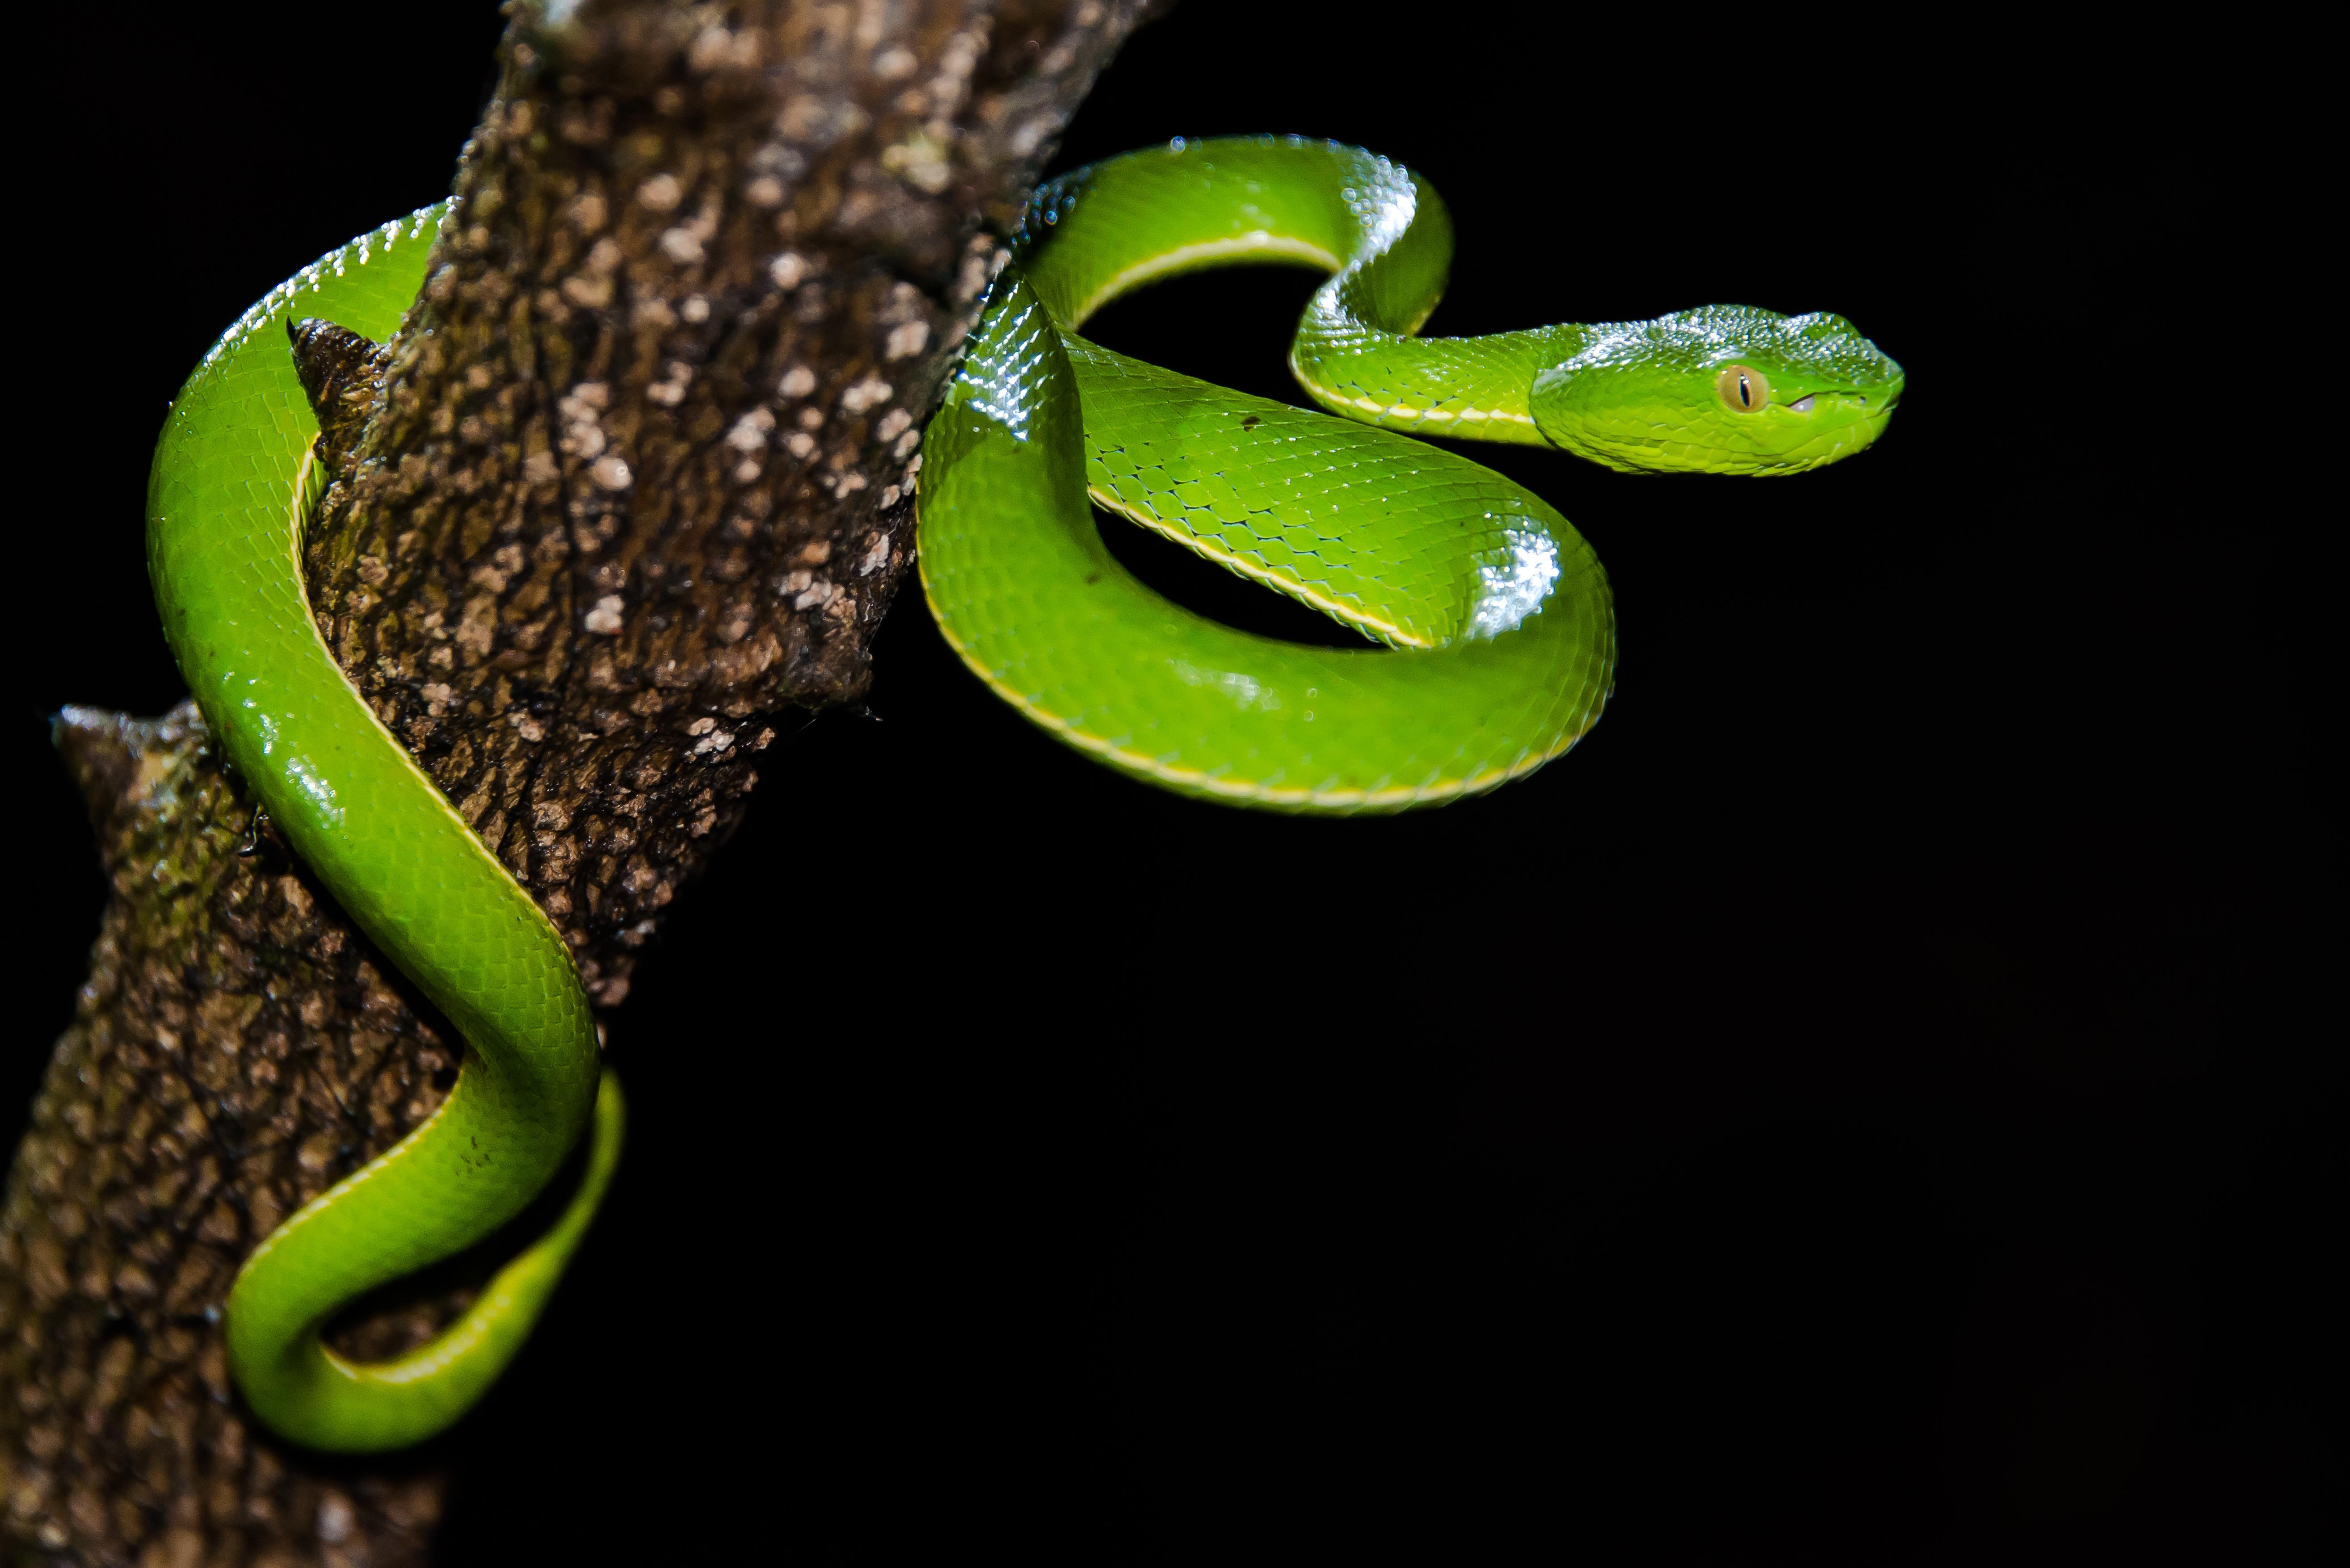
1867	1104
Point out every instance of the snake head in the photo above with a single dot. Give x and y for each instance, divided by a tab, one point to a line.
1724	389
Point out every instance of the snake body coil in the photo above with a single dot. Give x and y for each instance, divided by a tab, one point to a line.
1499	612
229	491
1496	620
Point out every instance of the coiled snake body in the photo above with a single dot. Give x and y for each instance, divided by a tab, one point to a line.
1497	623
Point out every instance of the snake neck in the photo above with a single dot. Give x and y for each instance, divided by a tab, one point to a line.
1473	388
1645	396
1379	229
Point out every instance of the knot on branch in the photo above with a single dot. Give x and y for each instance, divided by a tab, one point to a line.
342	374
101	751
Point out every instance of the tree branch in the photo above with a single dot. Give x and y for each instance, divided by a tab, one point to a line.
633	481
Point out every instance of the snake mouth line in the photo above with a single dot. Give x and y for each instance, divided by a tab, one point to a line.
1872	405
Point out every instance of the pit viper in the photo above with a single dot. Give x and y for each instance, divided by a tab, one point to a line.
1488	626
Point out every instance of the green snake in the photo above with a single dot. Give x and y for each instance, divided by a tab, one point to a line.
1502	609
1496	620
231	485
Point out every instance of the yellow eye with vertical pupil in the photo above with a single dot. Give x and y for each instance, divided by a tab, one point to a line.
1746	390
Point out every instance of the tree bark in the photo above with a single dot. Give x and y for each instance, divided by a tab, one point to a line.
632	483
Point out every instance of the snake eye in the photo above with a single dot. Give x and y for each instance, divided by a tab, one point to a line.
1745	389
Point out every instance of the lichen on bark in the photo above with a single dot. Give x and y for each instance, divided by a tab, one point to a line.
631	485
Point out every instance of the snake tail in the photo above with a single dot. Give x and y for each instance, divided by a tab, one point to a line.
233	478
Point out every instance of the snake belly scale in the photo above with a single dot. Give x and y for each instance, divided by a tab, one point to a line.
1489	629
